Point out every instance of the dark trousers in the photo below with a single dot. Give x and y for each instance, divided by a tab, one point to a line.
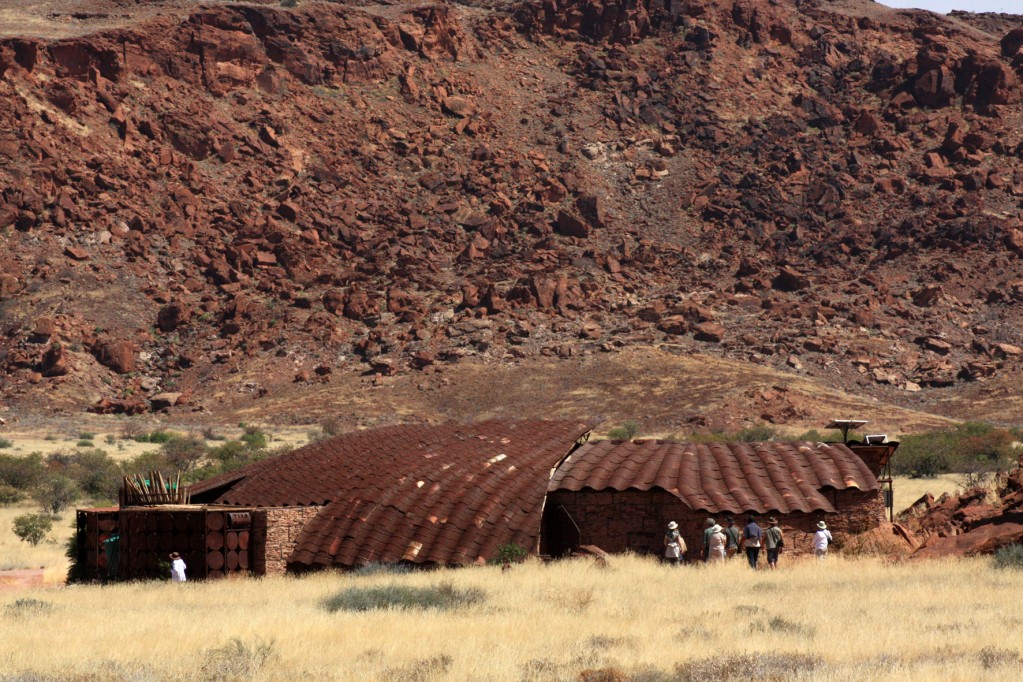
752	555
772	556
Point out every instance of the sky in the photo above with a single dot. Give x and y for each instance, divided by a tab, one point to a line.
1011	6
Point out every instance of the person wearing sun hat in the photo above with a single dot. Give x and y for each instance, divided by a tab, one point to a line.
717	541
773	541
821	539
674	545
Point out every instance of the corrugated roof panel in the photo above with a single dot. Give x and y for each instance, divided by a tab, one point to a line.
720	477
443	494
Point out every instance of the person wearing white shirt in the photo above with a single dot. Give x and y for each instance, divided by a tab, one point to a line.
821	539
177	568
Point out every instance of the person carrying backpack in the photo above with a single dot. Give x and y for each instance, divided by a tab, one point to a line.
774	540
674	545
733	536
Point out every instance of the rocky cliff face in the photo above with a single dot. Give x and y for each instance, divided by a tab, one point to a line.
283	195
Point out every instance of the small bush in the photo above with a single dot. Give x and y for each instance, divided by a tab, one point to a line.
992	657
626	431
746	667
511	553
4	443
184	452
85	444
85	435
443	596
1010	556
332	426
27	607
32	528
56	493
254	438
781	626
237	660
755	434
289	3
10	495
110	439
22	473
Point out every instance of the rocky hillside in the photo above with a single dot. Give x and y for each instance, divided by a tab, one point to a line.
281	196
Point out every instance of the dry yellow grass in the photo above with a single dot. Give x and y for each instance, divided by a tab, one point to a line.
909	490
48	554
841	620
119	448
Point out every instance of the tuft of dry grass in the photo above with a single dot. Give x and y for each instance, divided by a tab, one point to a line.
842	619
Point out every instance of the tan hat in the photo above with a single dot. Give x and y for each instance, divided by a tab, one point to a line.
822	525
773	521
672	525
715	528
175	555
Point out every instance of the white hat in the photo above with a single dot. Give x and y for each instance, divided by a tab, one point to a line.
822	525
672	525
715	529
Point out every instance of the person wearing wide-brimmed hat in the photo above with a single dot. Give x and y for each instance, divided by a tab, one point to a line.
177	568
773	541
674	545
821	539
716	544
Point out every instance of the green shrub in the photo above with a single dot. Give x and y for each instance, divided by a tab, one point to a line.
443	596
973	448
32	528
93	471
184	452
754	434
4	443
85	435
511	553
1010	556
56	493
157	437
85	444
237	660
254	438
10	495
626	431
289	3
22	473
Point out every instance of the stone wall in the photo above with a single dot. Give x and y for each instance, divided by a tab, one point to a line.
276	530
636	520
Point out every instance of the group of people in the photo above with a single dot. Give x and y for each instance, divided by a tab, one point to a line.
720	542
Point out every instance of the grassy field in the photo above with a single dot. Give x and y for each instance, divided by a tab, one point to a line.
839	620
47	555
114	444
909	490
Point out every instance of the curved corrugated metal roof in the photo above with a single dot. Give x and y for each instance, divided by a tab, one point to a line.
447	494
719	477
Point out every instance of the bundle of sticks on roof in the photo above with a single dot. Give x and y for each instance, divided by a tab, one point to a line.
139	490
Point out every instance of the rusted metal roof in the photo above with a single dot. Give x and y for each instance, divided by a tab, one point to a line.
720	477
448	494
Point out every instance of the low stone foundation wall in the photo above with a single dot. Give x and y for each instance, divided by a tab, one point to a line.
278	529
